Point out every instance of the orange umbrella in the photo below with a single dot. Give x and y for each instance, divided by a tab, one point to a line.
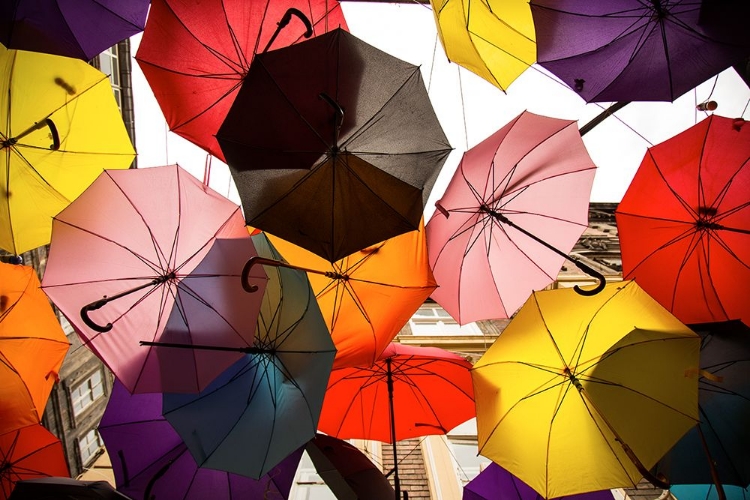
27	453
368	296
32	347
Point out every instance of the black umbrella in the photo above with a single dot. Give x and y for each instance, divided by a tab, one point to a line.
334	145
64	488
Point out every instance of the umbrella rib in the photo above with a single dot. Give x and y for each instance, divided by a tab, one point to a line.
719	442
165	291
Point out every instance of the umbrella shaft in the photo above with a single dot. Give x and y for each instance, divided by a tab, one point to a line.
396	482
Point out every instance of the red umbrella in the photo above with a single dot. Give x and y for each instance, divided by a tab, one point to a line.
154	254
408	392
27	453
516	204
195	54
684	222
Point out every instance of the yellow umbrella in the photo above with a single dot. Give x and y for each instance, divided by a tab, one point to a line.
585	393
59	128
493	38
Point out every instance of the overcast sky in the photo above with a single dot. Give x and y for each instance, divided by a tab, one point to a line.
469	108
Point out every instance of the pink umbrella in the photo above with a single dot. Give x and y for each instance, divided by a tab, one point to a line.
153	254
516	205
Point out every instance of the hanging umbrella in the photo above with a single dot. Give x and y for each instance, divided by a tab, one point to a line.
367	297
65	488
630	50
715	451
149	457
496	483
32	348
347	471
59	128
153	254
408	392
29	452
516	204
690	250
707	492
493	39
583	394
333	144
80	29
195	54
266	405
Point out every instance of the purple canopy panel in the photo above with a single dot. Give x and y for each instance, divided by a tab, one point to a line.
73	28
149	458
630	50
496	483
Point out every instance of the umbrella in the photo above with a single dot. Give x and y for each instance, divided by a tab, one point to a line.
529	180
80	29
333	144
367	297
583	394
630	50
724	402
493	39
690	250
56	488
347	471
707	492
154	254
266	405
408	392
149	457
59	128
496	483
195	54
32	347
29	452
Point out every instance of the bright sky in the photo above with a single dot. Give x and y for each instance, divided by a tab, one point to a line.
469	108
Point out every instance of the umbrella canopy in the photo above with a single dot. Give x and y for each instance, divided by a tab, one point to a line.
408	392
32	347
724	401
368	296
195	67
493	39
80	29
181	246
496	483
149	457
347	471
267	404
707	492
56	488
630	50
691	249
333	144
583	394
59	128
29	452
534	173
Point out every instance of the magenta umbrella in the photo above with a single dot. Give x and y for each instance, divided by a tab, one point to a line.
154	254
516	205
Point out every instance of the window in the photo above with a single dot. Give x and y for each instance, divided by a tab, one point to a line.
308	485
84	394
109	65
465	450
431	319
89	444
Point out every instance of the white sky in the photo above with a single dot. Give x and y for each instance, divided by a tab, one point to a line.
469	108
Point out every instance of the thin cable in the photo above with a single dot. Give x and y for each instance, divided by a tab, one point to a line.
745	110
463	107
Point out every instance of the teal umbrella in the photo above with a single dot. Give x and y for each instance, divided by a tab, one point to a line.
267	404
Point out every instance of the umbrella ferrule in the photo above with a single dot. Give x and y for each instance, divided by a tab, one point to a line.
573	379
494	214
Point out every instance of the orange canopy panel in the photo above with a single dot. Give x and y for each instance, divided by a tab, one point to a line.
368	296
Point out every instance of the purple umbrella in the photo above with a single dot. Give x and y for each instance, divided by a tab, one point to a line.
637	50
149	458
496	483
80	29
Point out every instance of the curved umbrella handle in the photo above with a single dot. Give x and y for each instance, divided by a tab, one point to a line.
277	263
285	20
11	141
593	273
55	136
89	322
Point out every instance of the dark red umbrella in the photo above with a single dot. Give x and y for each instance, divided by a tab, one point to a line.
195	54
684	222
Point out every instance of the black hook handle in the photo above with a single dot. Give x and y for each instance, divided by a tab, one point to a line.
12	141
285	20
277	263
593	273
55	136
